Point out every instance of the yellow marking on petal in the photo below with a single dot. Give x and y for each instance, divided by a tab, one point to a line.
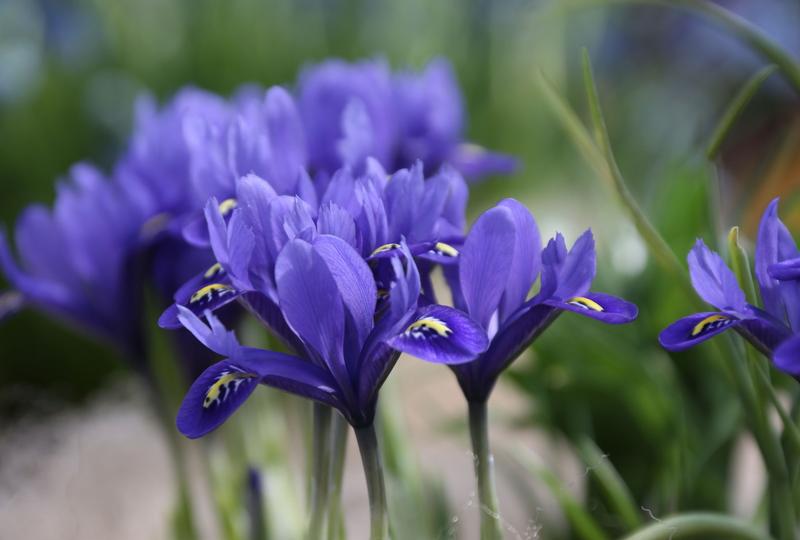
446	249
586	303
227	206
154	225
209	290
420	326
705	323
214	391
384	248
215	269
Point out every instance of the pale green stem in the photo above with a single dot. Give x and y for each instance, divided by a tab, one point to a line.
701	526
320	469
184	514
735	109
618	494
339	432
781	496
484	471
376	487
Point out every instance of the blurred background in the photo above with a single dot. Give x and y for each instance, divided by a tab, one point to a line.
79	456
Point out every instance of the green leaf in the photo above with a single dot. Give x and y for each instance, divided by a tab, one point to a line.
735	109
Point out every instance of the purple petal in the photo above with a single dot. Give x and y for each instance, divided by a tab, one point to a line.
787	356
689	331
775	245
207	291
476	162
402	197
454	211
785	270
195	231
355	284
213	335
509	342
441	335
576	272
526	259
213	397
286	137
217	231
311	302
603	307
336	221
269	314
486	262
713	280
763	330
357	140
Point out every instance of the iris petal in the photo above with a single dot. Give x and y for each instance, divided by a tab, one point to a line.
214	397
441	335
694	329
603	307
787	356
486	262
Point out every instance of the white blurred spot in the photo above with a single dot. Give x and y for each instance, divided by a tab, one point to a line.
628	253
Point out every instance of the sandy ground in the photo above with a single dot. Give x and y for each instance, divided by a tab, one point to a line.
102	472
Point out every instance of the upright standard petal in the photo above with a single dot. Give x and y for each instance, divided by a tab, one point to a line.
526	261
577	270
486	262
713	280
355	284
213	335
310	299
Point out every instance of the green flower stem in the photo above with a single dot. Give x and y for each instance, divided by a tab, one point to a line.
618	494
735	109
183	517
781	496
700	526
339	432
320	468
376	487
484	471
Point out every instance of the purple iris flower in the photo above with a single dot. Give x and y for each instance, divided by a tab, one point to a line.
76	260
498	265
346	346
497	268
764	328
353	111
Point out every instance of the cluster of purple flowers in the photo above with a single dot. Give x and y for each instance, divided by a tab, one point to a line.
323	211
86	260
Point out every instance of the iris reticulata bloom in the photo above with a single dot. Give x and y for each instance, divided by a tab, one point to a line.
353	111
497	268
764	328
344	349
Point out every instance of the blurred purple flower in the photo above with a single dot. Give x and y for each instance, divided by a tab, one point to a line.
352	111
